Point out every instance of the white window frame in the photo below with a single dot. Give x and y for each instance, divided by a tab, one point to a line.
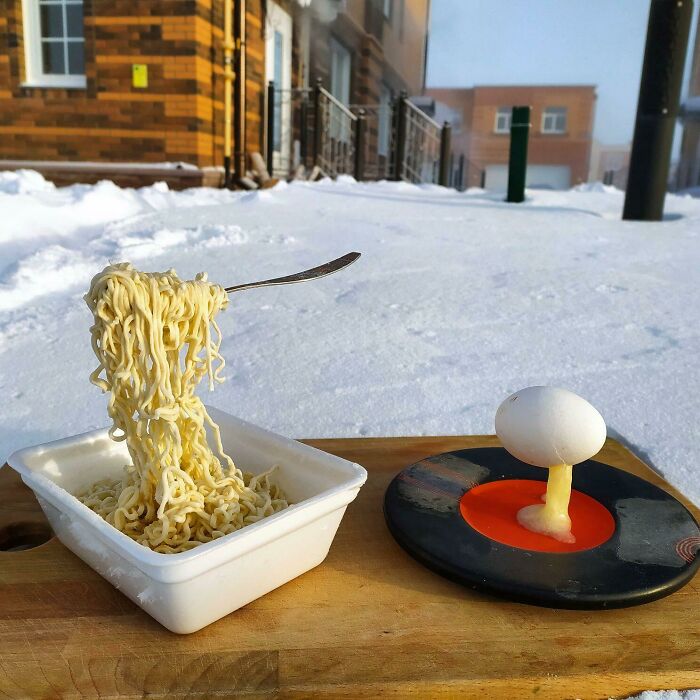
549	113
34	74
507	113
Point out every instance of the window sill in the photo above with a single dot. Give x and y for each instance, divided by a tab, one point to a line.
79	84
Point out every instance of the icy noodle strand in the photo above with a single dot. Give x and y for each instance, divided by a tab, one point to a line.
152	335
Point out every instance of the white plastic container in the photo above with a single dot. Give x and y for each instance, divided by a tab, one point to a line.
190	590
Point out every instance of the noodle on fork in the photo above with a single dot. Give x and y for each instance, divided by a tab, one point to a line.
152	335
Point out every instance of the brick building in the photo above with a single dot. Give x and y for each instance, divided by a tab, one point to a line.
560	136
143	80
688	171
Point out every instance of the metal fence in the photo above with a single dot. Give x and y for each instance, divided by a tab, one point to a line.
377	151
308	131
334	134
463	173
288	132
419	158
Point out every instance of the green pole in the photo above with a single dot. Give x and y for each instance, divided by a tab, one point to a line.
517	163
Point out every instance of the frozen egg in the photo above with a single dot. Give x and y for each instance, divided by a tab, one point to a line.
545	426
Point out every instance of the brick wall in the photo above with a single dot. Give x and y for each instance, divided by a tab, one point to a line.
485	147
571	148
179	116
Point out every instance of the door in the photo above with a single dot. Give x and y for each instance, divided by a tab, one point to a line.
551	177
548	177
278	67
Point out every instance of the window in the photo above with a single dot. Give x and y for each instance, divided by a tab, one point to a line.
387	8
554	120
503	115
340	88
54	42
384	115
340	72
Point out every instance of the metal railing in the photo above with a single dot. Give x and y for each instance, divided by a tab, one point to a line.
334	134
309	131
418	157
288	131
377	147
464	173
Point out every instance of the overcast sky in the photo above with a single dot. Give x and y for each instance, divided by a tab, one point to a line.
592	42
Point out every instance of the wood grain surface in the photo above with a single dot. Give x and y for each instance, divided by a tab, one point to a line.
369	622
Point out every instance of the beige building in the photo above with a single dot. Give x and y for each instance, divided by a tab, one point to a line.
560	135
610	163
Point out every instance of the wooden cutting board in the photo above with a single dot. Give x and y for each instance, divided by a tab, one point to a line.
368	622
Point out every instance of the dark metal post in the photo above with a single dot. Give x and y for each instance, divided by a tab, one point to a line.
460	173
304	129
270	125
657	108
400	150
360	124
445	144
239	88
482	180
318	125
517	163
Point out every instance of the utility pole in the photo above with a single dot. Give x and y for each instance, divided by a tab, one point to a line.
657	108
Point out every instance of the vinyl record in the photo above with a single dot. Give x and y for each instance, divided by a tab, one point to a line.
454	513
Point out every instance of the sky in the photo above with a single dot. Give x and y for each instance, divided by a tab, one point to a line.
592	42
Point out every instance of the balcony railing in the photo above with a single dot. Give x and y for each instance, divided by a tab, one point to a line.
334	134
420	160
309	131
377	151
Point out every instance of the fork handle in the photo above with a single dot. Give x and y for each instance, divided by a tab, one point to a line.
314	273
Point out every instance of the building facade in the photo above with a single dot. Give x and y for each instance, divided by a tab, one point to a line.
610	164
688	171
144	80
561	130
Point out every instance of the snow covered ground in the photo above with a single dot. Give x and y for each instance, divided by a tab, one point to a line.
458	300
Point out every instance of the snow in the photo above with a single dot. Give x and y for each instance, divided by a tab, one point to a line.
668	695
458	300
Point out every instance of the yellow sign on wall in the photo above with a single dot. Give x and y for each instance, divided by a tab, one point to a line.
139	75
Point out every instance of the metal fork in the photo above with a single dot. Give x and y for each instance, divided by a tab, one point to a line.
314	273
